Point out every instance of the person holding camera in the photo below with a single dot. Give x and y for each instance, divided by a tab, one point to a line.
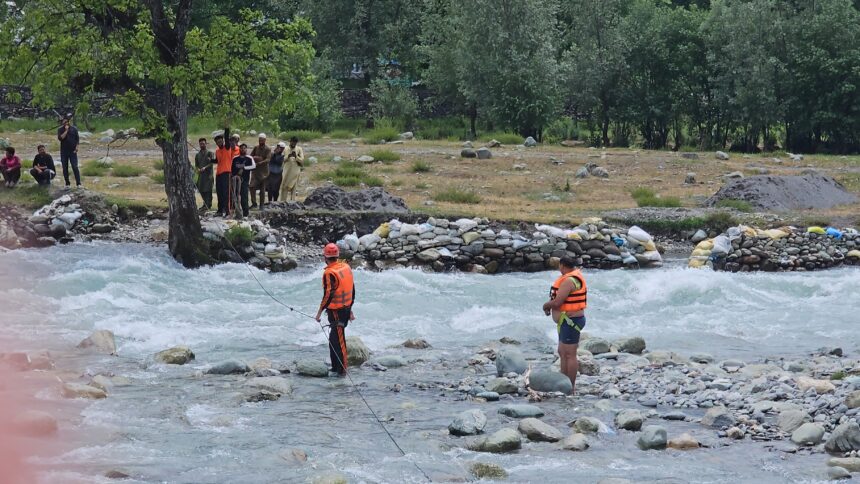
292	168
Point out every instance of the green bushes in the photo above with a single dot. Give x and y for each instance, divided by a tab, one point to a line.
385	156
559	130
239	236
739	205
393	101
157	177
29	196
503	138
127	171
158	165
380	135
720	221
645	197
94	169
456	195
304	135
341	134
349	175
421	167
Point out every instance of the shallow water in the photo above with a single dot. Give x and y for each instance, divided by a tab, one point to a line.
174	426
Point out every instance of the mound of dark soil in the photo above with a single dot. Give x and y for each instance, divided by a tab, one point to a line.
369	200
783	193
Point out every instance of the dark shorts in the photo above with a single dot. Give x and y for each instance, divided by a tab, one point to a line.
569	335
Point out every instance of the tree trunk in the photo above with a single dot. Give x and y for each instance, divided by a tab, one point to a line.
473	116
185	240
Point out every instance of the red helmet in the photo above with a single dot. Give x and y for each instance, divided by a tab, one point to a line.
331	250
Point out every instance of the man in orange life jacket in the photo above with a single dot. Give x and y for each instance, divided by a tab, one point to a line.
567	302
338	296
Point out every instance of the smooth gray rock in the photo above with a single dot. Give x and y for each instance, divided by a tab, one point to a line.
653	437
790	420
484	154
634	345
488	396
311	368
549	381
629	420
530	142
274	384
837	473
510	360
537	431
101	341
587	425
501	386
595	345
845	438
178	355
505	440
228	367
470	422
852	464
703	358
718	417
575	442
390	361
853	399
808	434
356	351
521	410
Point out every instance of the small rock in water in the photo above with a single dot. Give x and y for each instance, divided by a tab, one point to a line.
674	415
356	351
102	341
575	442
852	464
274	384
629	420
508	341
683	442
483	470
510	360
488	396
470	422
228	367
505	440
549	381
79	390
416	344
653	437
330	478
294	456
114	474
312	368
178	355
837	473
718	417
587	425
634	345
537	431
521	411
808	434
735	433
502	386
390	361
262	396
845	438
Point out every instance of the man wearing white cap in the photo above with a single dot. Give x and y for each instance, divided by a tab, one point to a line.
276	171
261	155
292	168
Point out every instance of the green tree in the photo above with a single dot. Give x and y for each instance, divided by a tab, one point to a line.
505	63
393	101
154	62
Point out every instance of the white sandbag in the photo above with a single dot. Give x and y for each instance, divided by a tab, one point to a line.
637	233
722	245
445	253
424	228
464	225
368	240
351	241
550	230
520	244
408	229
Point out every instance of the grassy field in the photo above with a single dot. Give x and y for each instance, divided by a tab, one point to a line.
535	184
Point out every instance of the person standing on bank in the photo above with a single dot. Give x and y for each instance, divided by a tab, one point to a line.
224	155
204	160
276	172
292	168
43	170
567	303
337	301
69	141
240	175
261	155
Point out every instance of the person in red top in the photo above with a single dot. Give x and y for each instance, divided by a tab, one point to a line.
567	303
338	297
224	155
10	166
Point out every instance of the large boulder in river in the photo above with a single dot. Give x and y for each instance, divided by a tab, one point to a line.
537	431
521	410
311	368
275	384
228	367
374	199
356	351
549	381
629	420
844	438
505	440
178	355
79	390
653	437
510	360
101	341
470	422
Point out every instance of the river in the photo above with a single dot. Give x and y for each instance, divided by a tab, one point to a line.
172	425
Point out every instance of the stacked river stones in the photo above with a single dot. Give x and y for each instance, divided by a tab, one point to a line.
784	249
473	245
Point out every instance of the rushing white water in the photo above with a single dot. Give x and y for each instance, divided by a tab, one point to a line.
175	427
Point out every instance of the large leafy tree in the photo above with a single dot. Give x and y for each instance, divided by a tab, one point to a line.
154	62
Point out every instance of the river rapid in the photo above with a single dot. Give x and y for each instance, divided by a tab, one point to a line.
174	425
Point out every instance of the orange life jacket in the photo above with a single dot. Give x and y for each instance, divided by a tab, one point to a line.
577	299
343	291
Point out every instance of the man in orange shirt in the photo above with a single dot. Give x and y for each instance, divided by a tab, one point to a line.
224	155
338	297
